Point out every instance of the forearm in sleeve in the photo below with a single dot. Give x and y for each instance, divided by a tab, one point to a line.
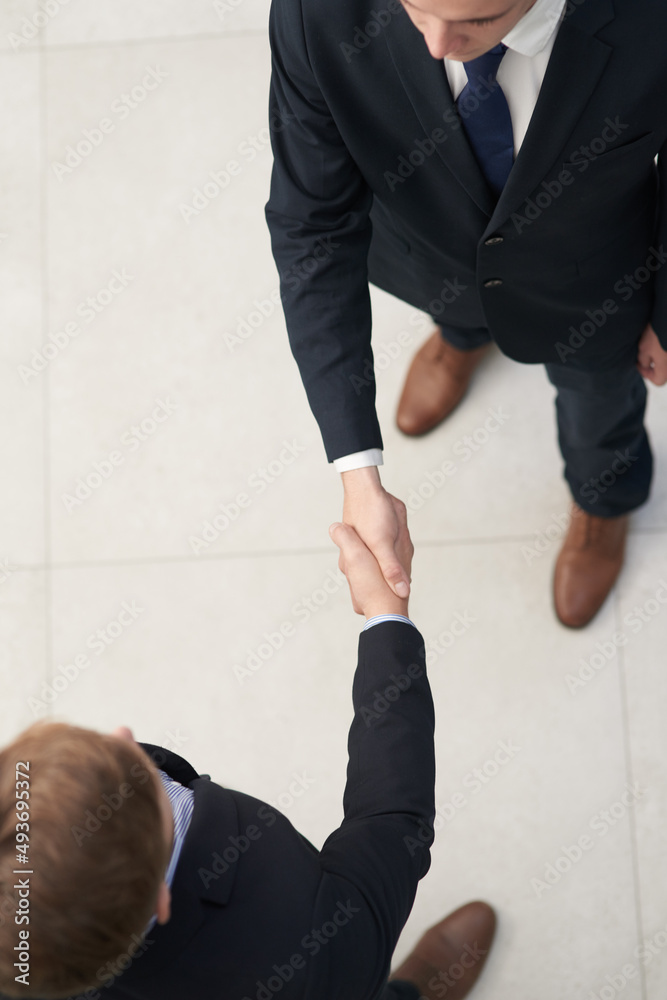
318	216
659	318
382	846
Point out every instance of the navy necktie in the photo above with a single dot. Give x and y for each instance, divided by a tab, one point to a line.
486	119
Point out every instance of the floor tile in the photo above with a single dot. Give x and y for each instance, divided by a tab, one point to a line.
204	665
164	335
493	469
21	388
125	20
549	757
197	597
23	648
22	24
643	609
654	513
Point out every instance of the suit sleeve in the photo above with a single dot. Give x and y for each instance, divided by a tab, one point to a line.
318	216
374	861
659	318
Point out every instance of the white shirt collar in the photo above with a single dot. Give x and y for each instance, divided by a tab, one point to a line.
535	28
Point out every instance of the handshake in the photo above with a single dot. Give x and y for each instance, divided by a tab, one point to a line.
379	539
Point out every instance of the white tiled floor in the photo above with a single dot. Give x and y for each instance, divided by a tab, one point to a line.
162	346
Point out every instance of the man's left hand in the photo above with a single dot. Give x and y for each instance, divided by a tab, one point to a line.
652	358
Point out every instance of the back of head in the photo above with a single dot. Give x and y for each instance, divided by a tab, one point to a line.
98	854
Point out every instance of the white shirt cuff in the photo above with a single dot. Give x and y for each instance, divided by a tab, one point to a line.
359	460
378	619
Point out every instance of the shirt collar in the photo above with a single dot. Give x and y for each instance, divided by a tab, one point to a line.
182	801
182	805
534	30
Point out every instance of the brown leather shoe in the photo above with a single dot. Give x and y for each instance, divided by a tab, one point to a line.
588	565
449	958
437	382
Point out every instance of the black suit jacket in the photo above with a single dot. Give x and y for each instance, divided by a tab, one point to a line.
374	177
256	907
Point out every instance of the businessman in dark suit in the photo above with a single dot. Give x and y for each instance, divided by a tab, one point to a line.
245	908
491	162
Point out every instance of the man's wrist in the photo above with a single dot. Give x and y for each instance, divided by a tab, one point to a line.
360	480
387	607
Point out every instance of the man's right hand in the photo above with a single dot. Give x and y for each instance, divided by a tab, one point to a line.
380	521
368	588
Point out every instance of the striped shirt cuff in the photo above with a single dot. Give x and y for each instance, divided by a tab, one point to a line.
378	619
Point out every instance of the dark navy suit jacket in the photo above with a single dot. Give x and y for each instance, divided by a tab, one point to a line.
374	178
256	910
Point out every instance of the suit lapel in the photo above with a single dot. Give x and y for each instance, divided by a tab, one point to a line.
169	762
425	81
577	62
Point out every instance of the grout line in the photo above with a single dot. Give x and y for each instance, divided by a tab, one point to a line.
247	554
632	815
212	36
162	560
267	553
46	384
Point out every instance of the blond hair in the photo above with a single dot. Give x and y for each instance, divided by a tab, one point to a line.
97	849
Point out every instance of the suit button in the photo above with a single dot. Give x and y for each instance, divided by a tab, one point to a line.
492	240
493	283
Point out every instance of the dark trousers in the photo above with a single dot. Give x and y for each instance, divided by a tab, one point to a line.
600	411
398	989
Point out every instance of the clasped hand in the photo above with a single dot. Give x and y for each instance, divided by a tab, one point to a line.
370	592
